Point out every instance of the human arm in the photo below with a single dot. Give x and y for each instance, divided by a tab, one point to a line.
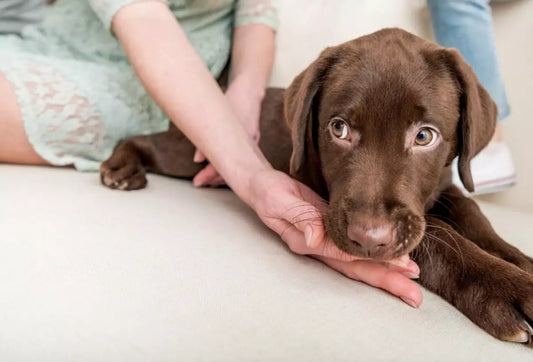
177	79
252	59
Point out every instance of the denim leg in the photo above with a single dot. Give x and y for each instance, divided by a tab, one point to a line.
467	26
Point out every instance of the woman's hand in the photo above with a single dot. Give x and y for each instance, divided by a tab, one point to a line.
294	211
245	100
162	57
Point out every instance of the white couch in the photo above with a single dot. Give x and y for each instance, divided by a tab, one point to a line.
173	273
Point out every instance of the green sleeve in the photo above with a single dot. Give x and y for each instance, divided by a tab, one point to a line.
106	9
257	12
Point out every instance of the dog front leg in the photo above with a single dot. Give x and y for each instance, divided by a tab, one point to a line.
494	294
465	216
169	153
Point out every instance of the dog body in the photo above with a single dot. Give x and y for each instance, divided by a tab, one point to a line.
372	126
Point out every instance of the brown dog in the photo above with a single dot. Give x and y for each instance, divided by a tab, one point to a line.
375	124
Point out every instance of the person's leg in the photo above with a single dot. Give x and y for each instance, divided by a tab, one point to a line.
467	26
14	144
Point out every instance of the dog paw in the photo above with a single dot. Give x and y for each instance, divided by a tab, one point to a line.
525	263
123	171
522	336
528	264
503	305
517	258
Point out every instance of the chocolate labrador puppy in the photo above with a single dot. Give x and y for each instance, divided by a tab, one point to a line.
372	126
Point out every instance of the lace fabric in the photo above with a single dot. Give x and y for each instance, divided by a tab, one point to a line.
63	115
256	11
76	90
54	97
246	11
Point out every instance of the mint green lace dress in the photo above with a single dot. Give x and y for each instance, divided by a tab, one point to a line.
77	92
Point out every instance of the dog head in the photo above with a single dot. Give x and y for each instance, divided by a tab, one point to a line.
375	125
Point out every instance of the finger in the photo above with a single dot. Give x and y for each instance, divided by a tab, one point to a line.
404	259
295	239
203	177
411	271
198	156
305	218
404	264
312	197
381	277
330	250
216	181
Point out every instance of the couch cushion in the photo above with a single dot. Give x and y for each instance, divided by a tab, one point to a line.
306	30
177	273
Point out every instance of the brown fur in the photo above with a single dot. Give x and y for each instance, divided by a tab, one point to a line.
386	197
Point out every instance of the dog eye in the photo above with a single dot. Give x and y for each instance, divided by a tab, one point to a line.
426	137
339	128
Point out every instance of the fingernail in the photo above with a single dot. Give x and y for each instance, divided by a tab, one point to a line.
399	263
411	275
410	302
196	183
308	233
411	265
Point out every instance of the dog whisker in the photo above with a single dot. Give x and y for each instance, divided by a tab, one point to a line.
457	249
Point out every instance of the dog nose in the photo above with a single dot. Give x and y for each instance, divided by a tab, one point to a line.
371	236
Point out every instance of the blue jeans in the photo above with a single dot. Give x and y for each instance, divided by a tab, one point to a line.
467	26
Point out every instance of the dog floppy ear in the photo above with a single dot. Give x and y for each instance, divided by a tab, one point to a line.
477	119
300	106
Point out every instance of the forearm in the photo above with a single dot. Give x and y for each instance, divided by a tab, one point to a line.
176	77
253	56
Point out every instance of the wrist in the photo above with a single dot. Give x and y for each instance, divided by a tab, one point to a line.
245	175
250	84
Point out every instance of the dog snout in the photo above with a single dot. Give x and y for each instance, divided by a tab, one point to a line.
373	237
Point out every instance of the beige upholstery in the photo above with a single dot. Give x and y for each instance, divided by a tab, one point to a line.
172	273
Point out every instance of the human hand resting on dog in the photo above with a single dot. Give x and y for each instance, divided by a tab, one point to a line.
162	57
295	212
